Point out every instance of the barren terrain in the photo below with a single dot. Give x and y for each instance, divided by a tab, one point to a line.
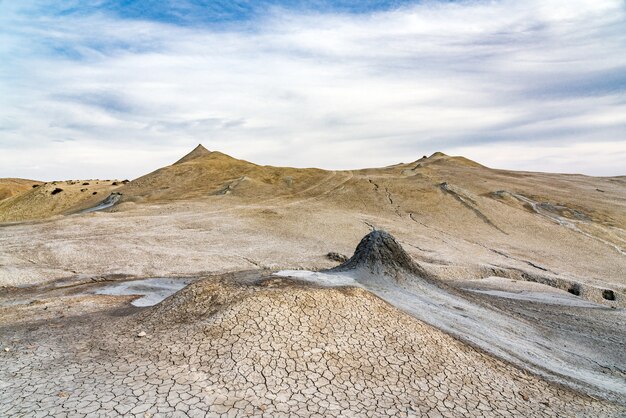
509	300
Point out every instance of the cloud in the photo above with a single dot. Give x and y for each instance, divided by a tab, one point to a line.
525	85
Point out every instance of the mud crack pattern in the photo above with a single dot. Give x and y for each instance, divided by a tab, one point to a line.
275	348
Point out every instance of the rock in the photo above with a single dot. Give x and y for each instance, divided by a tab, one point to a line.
141	334
56	191
340	258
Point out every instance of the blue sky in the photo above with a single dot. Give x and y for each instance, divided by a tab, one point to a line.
199	12
118	88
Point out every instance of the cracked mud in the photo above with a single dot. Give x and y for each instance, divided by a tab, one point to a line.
261	347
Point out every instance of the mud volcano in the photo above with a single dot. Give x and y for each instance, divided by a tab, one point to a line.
381	266
380	254
269	345
251	344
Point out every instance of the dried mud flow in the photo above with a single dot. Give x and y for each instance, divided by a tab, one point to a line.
493	293
581	348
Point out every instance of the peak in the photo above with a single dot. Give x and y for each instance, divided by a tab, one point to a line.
380	254
439	158
197	152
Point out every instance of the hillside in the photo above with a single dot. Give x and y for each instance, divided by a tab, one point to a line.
411	187
13	187
463	218
202	173
54	198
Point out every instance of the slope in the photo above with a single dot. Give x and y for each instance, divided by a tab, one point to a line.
13	187
202	173
55	198
381	266
460	217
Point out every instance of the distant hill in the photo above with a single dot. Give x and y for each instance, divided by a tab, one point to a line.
36	200
446	190
12	187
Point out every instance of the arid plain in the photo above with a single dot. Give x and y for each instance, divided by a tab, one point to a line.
472	292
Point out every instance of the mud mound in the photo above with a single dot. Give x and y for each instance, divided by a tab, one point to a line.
277	346
380	254
196	302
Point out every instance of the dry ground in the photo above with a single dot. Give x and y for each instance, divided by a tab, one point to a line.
71	353
252	345
213	213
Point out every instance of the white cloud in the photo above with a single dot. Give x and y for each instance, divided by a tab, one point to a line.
508	83
583	157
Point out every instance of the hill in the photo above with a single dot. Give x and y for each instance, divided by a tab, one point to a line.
460	216
14	187
203	173
37	200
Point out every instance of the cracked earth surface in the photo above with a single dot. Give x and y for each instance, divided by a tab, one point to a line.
256	346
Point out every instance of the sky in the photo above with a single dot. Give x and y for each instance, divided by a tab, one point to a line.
118	88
